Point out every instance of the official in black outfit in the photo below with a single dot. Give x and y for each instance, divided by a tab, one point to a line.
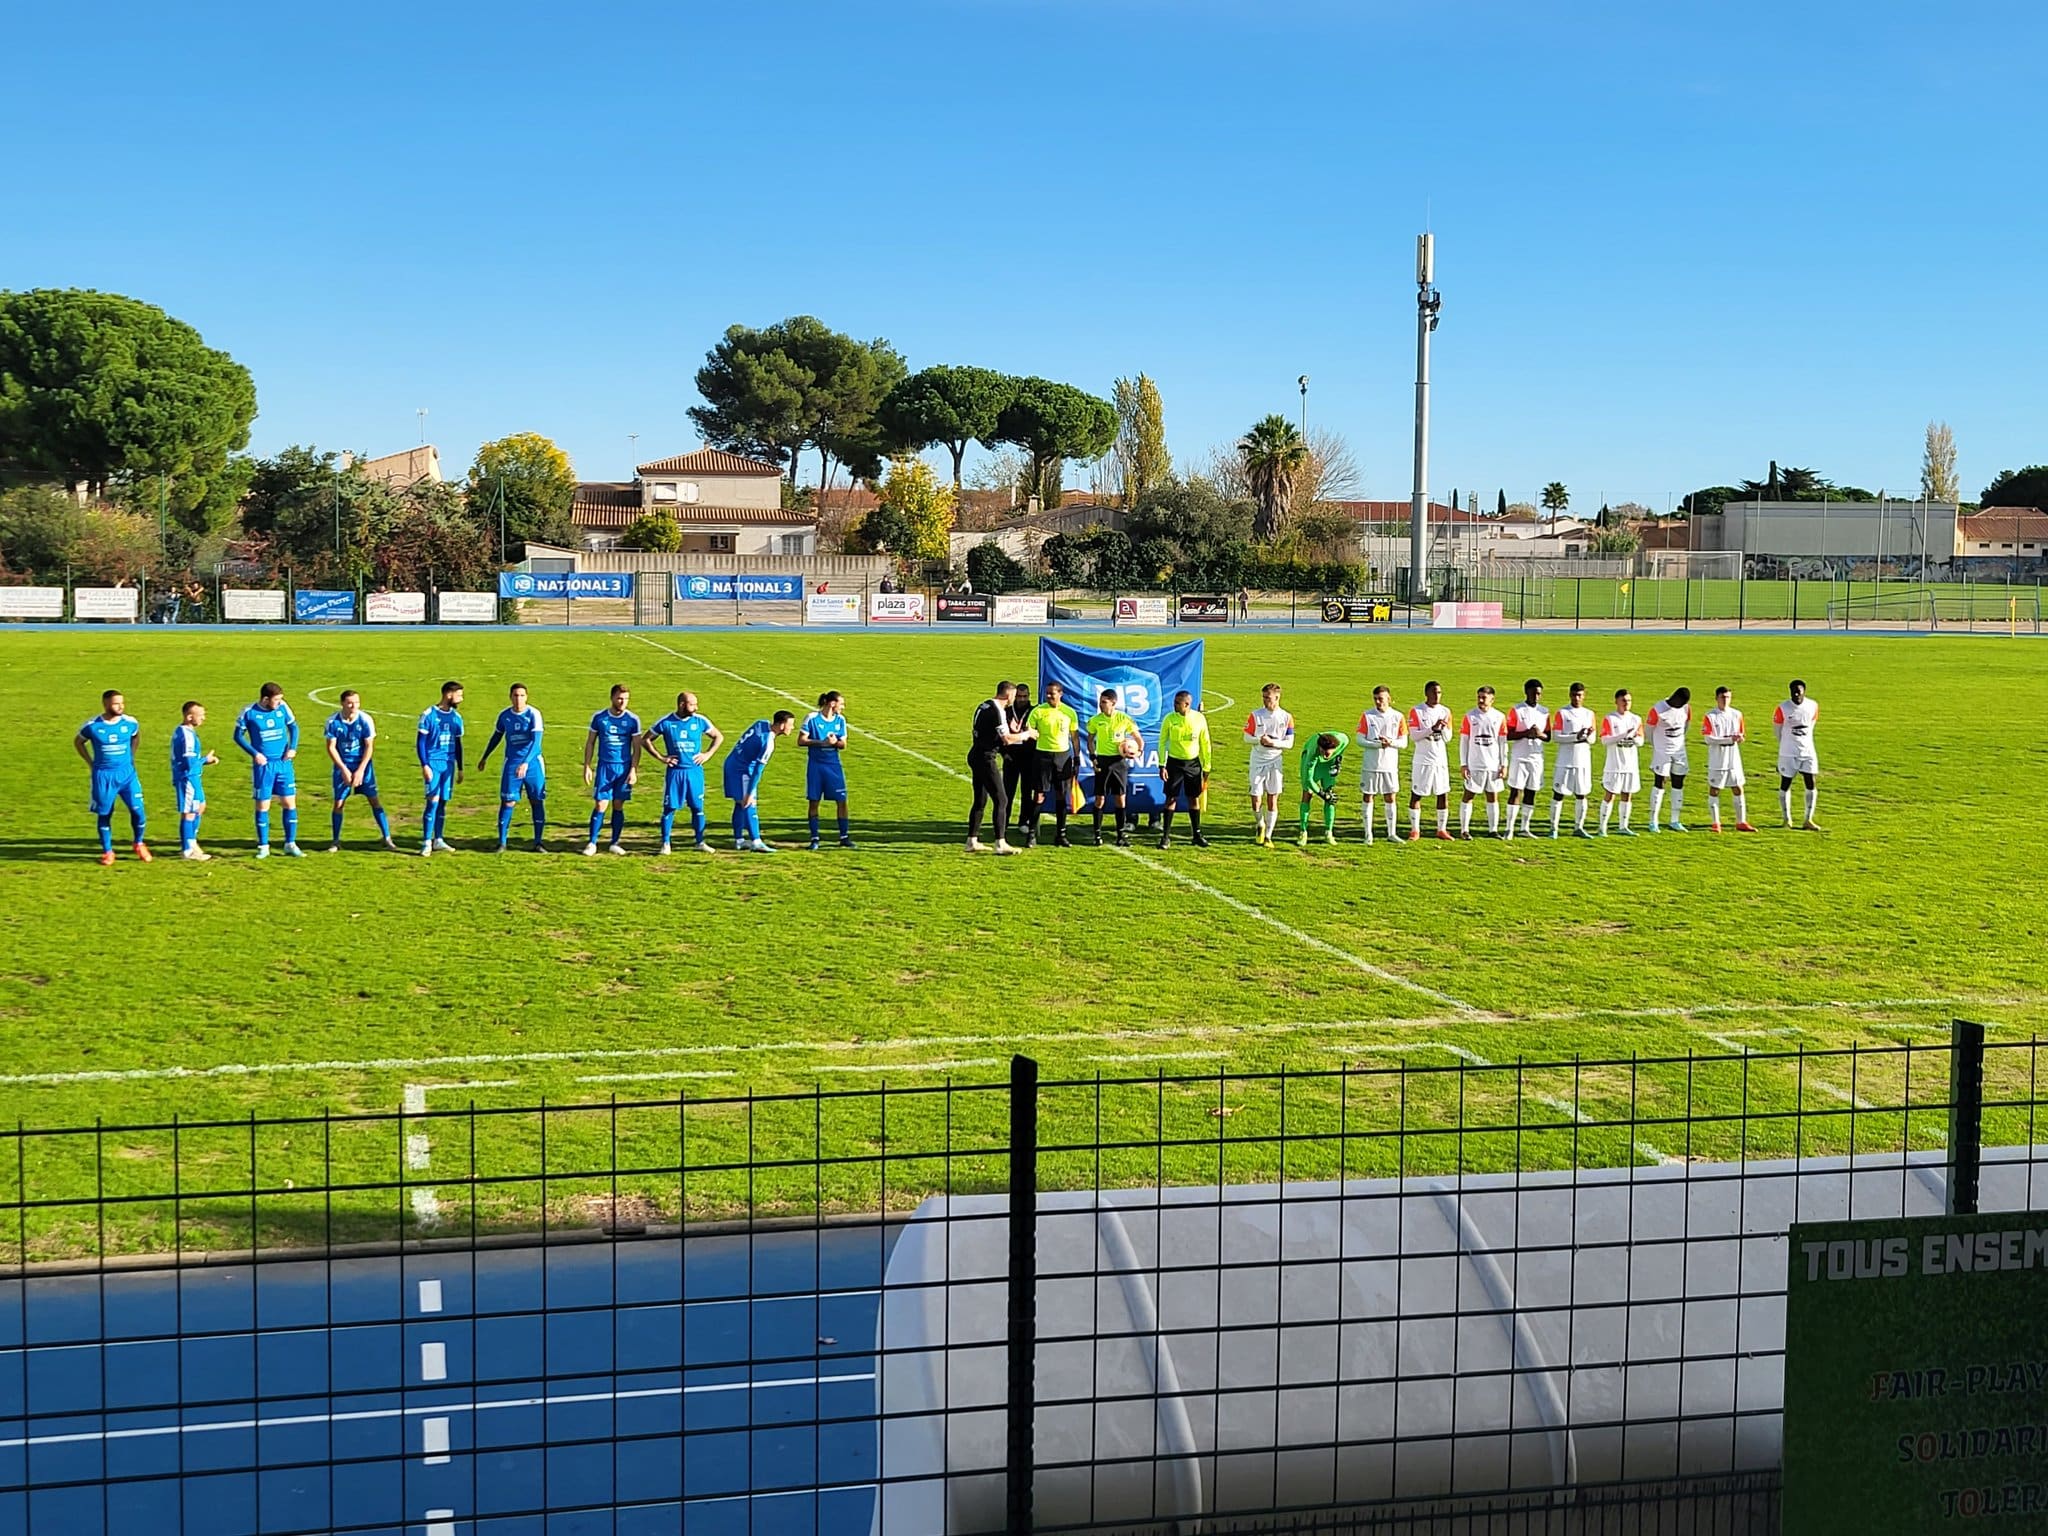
986	760
1020	760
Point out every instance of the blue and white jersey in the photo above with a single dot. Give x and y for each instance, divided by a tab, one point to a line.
271	732
113	744
351	738
682	736
188	758
521	730
820	729
617	739
748	757
439	734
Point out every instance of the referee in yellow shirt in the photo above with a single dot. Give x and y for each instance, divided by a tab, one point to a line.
1053	725
1184	757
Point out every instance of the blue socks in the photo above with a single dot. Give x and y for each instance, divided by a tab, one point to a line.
668	826
814	826
540	821
845	826
136	823
596	824
739	822
618	822
427	824
697	822
753	814
263	829
336	819
188	831
291	825
505	809
106	833
383	823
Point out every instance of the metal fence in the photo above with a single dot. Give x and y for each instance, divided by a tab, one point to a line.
1394	1296
1576	602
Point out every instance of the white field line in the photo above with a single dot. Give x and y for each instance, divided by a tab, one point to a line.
1322	946
1163	1056
913	1066
433	1410
426	1209
648	1077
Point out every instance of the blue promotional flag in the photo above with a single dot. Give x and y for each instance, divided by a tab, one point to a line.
560	584
1145	682
311	606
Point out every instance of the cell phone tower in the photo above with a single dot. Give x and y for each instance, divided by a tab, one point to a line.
1427	303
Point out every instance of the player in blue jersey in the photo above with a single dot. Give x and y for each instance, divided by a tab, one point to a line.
189	762
611	766
523	773
684	742
743	768
824	734
269	733
107	743
352	748
439	750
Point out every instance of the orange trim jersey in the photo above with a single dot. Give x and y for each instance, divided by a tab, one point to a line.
1525	717
1480	742
1429	736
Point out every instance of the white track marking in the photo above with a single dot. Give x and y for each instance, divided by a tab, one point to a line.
418	1151
426	1208
648	1077
915	1066
440	1522
1163	1056
414	1100
433	1361
430	1296
370	1415
434	1441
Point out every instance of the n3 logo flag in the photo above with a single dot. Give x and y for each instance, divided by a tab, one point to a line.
1145	682
565	584
725	588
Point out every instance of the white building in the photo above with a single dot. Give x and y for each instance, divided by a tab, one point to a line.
723	504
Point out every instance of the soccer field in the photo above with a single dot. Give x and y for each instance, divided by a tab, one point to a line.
364	981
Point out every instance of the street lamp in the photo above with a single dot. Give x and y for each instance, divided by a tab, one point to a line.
1303	382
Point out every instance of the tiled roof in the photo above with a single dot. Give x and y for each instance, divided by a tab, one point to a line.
2004	525
708	461
1400	511
609	504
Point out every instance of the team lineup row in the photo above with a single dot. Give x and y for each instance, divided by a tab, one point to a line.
615	744
1028	759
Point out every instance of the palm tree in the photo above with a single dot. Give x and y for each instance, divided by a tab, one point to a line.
1273	453
1555	499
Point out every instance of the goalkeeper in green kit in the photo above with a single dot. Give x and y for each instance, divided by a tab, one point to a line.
1321	761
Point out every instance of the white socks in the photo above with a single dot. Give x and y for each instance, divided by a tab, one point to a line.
1493	815
1677	805
1465	818
1741	808
1393	824
1556	811
1656	804
1812	800
1368	822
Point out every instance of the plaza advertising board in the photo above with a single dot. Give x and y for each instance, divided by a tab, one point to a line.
1021	608
105	603
1358	610
725	587
252	605
395	607
832	608
1142	612
1464	615
468	607
310	605
562	584
896	608
961	608
31	602
1204	608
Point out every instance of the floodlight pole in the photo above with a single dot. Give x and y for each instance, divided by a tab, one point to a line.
1427	302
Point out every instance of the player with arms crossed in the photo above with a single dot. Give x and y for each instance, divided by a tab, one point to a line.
352	748
1114	742
684	741
744	765
823	733
1528	728
1724	733
438	746
107	743
1480	763
269	734
1429	762
1269	732
1667	726
519	727
189	762
1382	731
1794	720
1322	760
1572	729
1621	776
614	741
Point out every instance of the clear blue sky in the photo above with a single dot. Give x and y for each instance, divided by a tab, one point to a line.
1674	241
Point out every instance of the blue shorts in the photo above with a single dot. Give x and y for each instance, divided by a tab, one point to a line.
277	779
190	793
612	783
825	780
441	784
110	789
533	786
367	789
683	789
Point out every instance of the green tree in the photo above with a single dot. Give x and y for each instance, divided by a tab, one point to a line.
529	481
1187	533
655	532
97	390
1052	423
1141	456
433	542
773	392
39	527
1500	505
318	518
883	530
1273	454
991	569
1555	499
1328	530
2017	488
925	508
944	404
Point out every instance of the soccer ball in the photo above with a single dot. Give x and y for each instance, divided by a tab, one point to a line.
1132	748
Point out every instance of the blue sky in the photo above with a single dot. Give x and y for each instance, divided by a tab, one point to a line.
1674	242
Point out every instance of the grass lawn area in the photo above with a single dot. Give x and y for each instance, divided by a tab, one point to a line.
402	990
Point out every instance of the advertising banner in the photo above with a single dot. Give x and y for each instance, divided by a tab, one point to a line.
560	584
1205	608
1916	1382
1464	615
468	608
1358	610
832	608
896	607
1145	682
310	606
31	602
1152	612
251	605
395	607
1024	608
105	602
962	608
724	588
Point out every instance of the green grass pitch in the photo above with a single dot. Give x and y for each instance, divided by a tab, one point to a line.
345	982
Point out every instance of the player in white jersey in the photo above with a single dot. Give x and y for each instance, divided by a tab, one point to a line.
1724	732
1794	720
1667	725
1621	776
1528	729
1269	732
1382	731
1481	762
1429	766
1572	729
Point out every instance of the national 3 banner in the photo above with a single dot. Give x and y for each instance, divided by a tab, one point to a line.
1145	682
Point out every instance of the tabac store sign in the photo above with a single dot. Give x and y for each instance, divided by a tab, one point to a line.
1916	1376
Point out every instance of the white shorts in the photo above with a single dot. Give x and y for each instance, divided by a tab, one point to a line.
1378	783
1479	782
1730	777
1792	767
1270	780
1576	783
1677	765
1430	778
1620	780
1526	774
